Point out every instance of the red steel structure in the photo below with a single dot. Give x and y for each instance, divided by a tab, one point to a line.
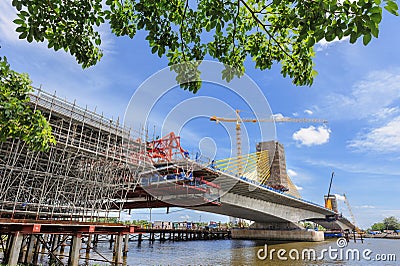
166	149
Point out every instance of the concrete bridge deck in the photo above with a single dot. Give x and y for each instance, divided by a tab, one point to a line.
227	195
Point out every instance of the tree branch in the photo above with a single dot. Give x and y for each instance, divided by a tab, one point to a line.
264	26
234	26
181	30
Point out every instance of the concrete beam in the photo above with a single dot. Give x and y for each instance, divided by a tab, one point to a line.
334	225
280	211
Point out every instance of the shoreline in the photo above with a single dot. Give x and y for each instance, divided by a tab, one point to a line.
386	236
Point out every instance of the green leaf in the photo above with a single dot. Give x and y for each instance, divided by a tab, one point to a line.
366	38
353	37
374	29
329	36
394	12
23	35
376	17
20	29
19	21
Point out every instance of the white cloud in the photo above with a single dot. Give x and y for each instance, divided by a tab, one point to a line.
309	112
278	116
298	187
291	173
295	114
381	139
323	44
358	168
184	217
372	97
385	113
312	136
340	197
7	27
365	207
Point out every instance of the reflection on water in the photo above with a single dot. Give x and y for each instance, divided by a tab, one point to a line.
244	252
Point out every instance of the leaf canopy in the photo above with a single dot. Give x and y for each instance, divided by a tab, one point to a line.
17	118
230	31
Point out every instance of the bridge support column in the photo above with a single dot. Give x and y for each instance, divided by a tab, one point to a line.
75	248
15	248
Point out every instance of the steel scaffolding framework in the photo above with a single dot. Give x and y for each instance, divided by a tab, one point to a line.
83	177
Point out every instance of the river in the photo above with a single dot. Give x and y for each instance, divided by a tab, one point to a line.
244	252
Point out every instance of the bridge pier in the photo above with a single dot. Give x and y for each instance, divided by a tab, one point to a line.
276	226
286	231
284	235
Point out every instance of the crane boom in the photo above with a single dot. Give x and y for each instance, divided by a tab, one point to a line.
238	120
351	213
278	119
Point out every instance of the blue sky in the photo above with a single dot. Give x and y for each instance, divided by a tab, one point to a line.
357	90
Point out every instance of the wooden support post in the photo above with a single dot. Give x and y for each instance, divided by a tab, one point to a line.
140	239
15	248
111	241
7	248
74	251
88	243
95	240
126	245
53	247
31	249
62	245
119	239
43	245
36	251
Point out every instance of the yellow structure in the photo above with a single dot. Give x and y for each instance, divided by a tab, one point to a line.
253	166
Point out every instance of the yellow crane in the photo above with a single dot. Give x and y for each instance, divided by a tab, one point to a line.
238	120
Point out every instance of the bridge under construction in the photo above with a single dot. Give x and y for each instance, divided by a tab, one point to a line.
99	168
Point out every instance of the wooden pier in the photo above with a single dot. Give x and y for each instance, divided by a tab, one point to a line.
22	242
71	243
153	234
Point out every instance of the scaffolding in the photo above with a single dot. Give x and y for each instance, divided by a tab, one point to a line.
84	176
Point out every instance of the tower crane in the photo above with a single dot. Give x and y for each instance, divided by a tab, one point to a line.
238	120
